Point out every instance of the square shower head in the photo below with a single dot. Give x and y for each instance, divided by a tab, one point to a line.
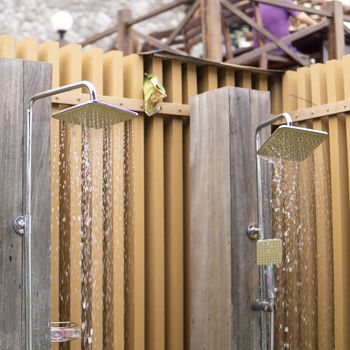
94	114
292	143
269	251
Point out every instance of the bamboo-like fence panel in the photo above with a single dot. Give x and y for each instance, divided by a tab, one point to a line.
140	253
319	97
141	299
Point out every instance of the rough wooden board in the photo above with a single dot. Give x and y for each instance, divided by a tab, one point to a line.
223	204
248	108
11	144
37	77
19	81
199	165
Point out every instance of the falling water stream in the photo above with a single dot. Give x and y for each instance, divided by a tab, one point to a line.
301	218
94	193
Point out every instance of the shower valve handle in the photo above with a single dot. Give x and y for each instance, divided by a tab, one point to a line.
19	225
253	232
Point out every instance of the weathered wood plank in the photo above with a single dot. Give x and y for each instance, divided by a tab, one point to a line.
223	203
11	158
37	78
22	80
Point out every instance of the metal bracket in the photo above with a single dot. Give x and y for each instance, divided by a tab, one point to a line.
19	225
253	232
264	306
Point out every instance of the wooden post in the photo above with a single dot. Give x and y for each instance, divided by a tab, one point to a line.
224	272
336	35
211	15
22	79
123	39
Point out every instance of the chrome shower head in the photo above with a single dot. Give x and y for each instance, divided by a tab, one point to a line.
94	114
292	143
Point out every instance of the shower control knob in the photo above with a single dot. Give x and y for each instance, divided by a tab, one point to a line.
253	232
19	224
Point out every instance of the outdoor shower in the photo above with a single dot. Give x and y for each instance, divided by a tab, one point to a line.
288	143
91	114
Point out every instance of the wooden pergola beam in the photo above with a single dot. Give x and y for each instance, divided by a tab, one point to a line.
182	24
155	42
249	56
264	32
157	12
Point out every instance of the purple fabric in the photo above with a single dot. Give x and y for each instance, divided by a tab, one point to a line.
275	20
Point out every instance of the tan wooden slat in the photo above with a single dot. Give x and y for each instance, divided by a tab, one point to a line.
189	89
114	305
275	88
133	80
174	252
244	79
340	207
318	84
260	82
346	71
323	220
303	88
207	78
27	49
289	277
155	222
226	77
307	245
7	46
92	70
70	207
289	87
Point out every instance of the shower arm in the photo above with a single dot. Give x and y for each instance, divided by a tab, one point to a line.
259	233
22	224
261	126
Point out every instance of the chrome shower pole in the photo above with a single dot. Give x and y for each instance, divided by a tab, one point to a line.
269	290
22	224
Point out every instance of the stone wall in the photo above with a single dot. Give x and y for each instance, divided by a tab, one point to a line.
32	18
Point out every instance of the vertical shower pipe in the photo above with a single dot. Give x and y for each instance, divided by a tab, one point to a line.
268	270
22	224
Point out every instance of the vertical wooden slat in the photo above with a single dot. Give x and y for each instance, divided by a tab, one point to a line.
346	72
287	311
93	71
261	82
114	306
27	49
289	87
207	78
135	318
70	58
307	250
12	130
189	89
155	243
37	78
244	79
303	87
7	46
318	84
226	77
174	253
340	208
325	335
275	88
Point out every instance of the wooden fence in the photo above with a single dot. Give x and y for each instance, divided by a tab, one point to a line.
320	96
149	308
149	305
